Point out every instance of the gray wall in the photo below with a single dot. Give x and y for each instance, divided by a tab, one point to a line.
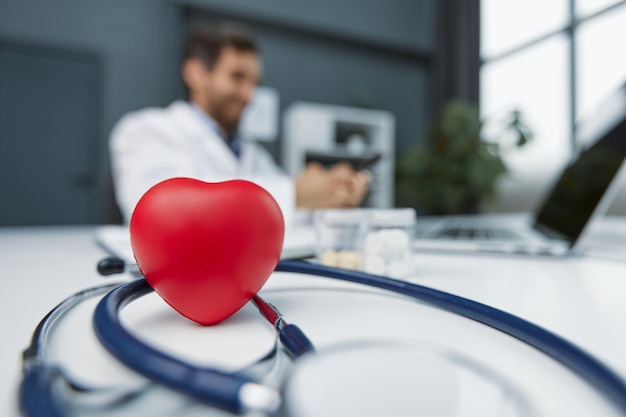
137	43
134	40
405	24
364	53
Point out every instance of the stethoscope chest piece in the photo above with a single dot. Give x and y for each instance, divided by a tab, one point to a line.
399	378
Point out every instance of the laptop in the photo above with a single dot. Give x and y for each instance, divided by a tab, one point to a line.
583	191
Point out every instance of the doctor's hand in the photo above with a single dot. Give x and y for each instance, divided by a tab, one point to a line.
337	187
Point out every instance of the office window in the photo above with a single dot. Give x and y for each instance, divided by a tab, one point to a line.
600	59
588	7
532	82
506	25
553	61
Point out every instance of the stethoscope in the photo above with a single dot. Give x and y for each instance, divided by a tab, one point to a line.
237	393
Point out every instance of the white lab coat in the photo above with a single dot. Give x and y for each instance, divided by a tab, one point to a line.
151	145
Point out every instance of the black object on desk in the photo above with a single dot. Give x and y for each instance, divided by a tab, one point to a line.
358	163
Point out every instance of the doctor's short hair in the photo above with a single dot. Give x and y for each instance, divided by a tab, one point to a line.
207	42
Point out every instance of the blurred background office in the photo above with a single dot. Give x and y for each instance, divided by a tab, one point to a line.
344	78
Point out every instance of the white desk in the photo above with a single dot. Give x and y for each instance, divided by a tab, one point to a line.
579	299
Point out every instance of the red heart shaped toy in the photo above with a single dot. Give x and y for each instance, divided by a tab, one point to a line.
206	248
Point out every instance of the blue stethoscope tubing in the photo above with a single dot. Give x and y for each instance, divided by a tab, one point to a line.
595	372
211	386
221	389
37	393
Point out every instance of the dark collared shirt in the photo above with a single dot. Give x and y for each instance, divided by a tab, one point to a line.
233	141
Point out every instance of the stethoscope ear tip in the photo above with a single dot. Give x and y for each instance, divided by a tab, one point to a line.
111	266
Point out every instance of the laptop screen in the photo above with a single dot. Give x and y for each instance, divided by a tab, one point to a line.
584	187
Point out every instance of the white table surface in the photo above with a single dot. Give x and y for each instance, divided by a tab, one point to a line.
580	299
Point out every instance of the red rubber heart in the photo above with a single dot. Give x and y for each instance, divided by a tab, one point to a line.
206	248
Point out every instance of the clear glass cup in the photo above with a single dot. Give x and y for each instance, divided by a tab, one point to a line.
338	233
387	237
377	241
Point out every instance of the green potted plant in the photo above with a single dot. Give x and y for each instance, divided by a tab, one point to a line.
456	170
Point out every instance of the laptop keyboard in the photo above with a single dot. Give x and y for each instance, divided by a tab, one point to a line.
479	233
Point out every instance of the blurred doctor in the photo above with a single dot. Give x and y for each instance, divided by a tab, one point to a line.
198	138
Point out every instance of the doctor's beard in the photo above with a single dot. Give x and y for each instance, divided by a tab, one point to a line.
228	115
